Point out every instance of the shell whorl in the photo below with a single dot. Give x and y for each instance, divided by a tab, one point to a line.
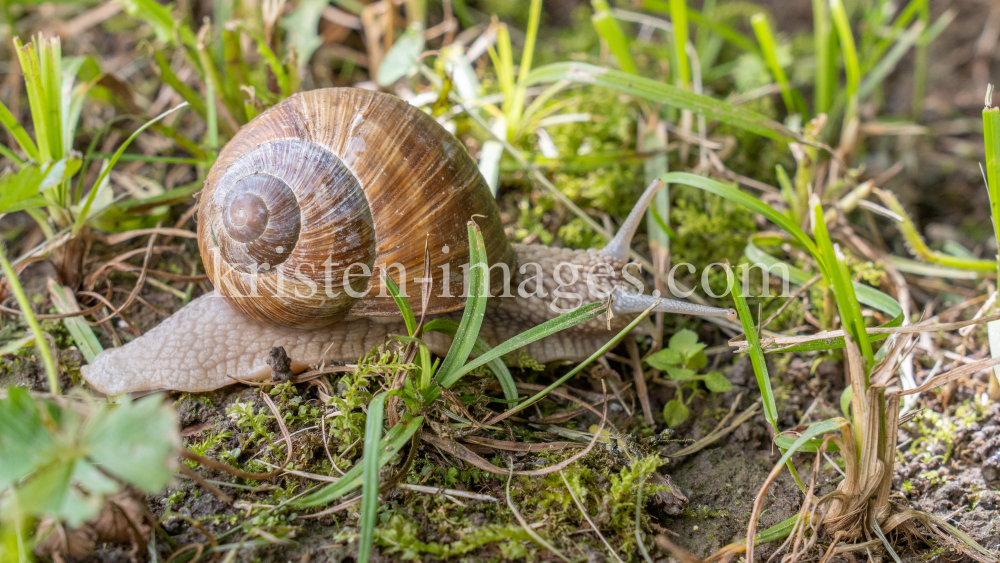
331	182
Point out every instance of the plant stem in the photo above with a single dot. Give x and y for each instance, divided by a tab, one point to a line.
29	317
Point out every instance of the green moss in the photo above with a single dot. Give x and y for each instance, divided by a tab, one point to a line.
400	537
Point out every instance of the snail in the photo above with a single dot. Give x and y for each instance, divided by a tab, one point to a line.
319	193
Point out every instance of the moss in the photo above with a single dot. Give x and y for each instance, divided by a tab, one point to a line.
400	537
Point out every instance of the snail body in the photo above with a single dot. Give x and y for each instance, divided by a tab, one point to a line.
312	198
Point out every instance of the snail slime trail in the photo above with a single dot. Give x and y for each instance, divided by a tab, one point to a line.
311	201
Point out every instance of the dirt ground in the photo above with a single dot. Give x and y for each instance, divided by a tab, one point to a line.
948	458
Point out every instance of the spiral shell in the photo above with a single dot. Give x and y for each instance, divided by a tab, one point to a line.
328	183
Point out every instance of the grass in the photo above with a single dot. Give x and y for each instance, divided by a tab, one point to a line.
680	65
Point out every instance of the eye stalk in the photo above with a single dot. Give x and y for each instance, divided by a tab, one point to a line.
630	302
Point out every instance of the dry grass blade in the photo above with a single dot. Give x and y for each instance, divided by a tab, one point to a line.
521	446
583	510
559	417
524	524
954	374
771	344
468	456
216	492
557	393
447	492
640	380
138	284
165	231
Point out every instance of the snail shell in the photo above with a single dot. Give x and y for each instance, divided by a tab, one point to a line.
330	182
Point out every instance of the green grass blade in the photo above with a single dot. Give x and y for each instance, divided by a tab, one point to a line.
769	48
610	344
660	92
746	200
17	130
991	137
699	19
826	65
369	475
724	31
186	92
888	63
609	30
402	303
475	308
29	317
7	153
396	438
531	35
27	56
552	326
843	288
84	337
495	364
866	294
272	61
850	53
756	353
85	211
678	15
212	94
920	62
919	248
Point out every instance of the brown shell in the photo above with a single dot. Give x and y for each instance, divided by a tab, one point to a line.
342	178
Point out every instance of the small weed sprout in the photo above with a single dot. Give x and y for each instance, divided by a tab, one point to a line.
682	360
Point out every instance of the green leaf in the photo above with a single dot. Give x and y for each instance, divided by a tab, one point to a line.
665	358
401	58
161	18
136	442
302	28
716	382
675	413
552	326
812	446
475	310
756	353
19	190
495	363
845	402
51	492
661	92
609	30
402	304
686	342
698	361
680	374
24	440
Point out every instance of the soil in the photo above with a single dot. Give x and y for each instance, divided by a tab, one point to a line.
948	460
